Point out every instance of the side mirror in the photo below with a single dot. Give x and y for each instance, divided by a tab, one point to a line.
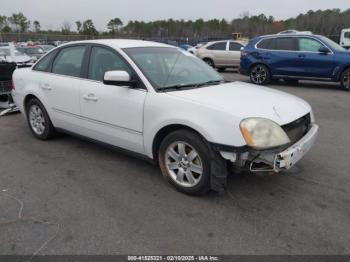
119	78
324	50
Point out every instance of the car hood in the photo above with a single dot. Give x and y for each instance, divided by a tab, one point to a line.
245	100
18	59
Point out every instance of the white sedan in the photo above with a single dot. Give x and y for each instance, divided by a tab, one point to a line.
165	105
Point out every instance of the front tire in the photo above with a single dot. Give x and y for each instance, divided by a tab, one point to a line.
38	120
184	159
260	75
345	79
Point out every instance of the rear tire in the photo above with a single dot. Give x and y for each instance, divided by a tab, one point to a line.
260	75
184	160
39	121
345	79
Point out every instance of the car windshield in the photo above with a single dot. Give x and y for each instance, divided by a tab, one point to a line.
34	50
47	47
16	52
330	43
167	68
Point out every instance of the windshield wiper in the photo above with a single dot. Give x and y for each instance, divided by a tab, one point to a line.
212	82
176	87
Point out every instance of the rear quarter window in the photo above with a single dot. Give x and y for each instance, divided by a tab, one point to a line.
266	44
44	64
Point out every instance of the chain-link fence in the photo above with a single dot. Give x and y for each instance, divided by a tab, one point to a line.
174	40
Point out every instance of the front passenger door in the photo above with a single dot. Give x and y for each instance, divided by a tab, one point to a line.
317	65
112	114
234	53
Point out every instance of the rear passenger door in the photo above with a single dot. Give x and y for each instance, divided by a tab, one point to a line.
286	58
61	87
219	53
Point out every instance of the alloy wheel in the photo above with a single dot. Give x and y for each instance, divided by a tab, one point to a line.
259	74
183	164
37	120
346	80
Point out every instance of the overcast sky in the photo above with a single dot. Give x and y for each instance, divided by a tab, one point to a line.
52	13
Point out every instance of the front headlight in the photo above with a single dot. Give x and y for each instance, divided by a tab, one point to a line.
261	133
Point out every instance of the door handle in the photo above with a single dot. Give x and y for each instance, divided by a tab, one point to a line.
90	97
301	56
46	87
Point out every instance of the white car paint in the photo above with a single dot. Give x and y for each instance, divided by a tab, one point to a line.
345	38
131	118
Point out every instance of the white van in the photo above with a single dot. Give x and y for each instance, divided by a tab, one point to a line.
345	38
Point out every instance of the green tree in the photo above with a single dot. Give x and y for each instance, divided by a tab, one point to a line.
37	26
19	22
114	25
88	28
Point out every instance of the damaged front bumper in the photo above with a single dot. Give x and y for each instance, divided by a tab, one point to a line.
273	160
288	158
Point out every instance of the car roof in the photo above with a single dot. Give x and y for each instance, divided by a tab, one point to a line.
121	43
288	35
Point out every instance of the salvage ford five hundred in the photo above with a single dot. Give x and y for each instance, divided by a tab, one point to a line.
166	105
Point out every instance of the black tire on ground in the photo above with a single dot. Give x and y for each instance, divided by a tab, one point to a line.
221	69
49	130
260	75
291	81
345	79
210	62
200	146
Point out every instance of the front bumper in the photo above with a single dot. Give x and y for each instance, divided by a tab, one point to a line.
288	158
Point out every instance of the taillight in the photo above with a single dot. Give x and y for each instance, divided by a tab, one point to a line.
13	85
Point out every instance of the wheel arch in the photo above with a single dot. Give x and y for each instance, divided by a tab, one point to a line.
343	69
260	63
26	99
164	131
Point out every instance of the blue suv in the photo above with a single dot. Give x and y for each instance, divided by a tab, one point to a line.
294	57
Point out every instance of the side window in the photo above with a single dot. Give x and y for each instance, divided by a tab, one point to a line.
309	45
266	44
218	46
103	60
347	35
235	46
69	61
43	64
286	44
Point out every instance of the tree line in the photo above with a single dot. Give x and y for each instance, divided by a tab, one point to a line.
326	22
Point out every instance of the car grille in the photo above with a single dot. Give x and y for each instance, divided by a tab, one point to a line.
298	129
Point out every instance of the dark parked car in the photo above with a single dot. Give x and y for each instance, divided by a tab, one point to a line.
294	57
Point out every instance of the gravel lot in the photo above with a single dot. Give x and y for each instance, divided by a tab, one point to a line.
81	198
